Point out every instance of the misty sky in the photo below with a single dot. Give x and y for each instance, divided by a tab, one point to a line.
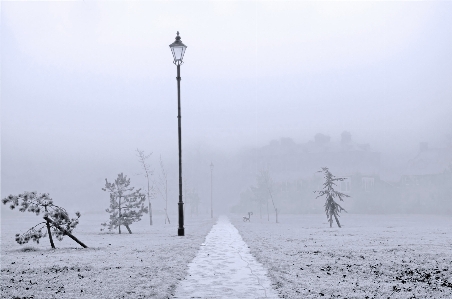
86	83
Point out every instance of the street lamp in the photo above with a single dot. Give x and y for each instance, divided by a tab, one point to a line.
178	50
211	206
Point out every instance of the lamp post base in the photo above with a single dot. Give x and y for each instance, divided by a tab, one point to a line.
181	229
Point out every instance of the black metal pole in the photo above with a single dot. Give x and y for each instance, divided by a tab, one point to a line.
180	230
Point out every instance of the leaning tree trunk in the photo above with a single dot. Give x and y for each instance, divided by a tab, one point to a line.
66	232
337	220
49	232
128	228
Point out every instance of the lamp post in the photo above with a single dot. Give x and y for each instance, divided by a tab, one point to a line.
211	206
178	50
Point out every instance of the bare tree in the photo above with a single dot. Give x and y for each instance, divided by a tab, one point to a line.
268	183
148	172
192	197
332	208
258	196
263	192
162	188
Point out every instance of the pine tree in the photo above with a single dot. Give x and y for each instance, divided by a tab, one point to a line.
57	222
126	205
332	208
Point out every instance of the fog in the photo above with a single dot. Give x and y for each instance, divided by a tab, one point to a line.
84	84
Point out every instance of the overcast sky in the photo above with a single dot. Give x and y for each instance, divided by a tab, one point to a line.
86	83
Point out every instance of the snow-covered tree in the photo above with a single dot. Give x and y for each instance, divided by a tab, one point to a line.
126	205
332	208
57	222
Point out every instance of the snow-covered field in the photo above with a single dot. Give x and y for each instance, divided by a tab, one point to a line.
146	264
371	256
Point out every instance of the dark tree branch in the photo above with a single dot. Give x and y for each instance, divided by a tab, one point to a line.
65	232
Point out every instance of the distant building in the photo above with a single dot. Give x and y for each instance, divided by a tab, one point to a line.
424	187
426	184
429	161
288	160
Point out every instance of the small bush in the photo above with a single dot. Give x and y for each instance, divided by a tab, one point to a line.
29	248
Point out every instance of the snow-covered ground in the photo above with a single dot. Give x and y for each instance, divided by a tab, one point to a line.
371	256
146	264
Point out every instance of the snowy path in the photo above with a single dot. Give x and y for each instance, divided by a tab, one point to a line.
224	268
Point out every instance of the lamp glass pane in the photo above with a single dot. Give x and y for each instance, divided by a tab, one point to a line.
177	52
